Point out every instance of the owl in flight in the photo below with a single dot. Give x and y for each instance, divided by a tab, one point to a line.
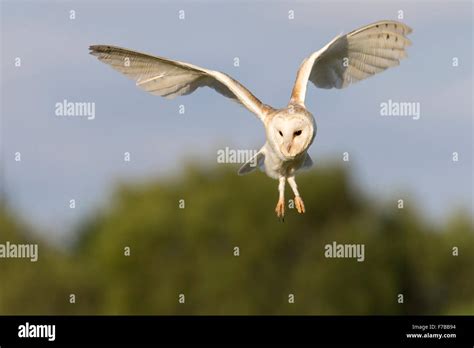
291	130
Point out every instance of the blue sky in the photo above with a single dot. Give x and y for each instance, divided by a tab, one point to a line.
64	158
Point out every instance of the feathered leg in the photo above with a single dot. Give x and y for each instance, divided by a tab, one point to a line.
280	207
298	201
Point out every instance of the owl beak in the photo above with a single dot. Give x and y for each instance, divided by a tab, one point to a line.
286	148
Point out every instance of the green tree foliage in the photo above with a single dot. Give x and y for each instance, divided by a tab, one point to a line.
191	251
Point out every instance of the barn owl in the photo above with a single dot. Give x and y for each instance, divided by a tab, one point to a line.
290	130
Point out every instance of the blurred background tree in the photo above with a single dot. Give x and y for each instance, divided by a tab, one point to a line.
190	251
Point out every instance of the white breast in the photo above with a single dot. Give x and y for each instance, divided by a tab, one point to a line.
275	167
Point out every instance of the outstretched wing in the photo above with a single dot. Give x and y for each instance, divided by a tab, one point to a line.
353	57
171	78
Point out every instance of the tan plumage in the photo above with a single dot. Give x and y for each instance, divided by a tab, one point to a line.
172	78
353	57
291	130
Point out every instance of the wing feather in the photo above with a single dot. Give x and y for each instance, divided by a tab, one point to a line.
353	57
170	78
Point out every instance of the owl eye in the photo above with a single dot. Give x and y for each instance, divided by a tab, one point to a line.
280	132
297	133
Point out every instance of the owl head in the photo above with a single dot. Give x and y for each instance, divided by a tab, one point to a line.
291	131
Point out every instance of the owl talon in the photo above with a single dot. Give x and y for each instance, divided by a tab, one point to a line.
299	204
280	209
